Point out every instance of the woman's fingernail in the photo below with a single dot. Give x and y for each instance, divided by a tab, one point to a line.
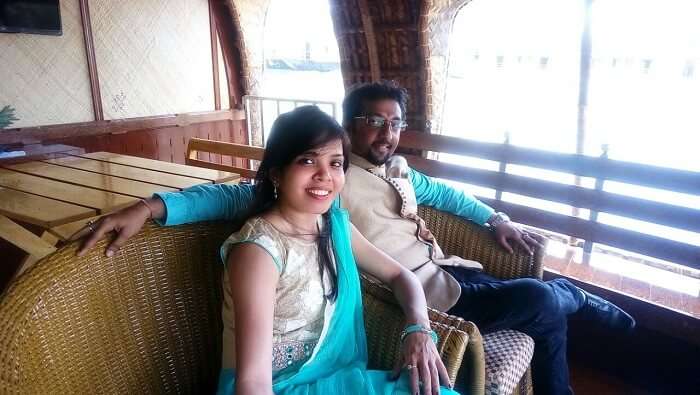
109	253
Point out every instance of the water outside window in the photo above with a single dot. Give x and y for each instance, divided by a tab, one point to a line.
301	57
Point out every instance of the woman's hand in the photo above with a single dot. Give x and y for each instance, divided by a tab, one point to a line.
421	358
125	222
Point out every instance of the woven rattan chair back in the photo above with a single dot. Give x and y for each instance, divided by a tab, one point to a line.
145	321
148	320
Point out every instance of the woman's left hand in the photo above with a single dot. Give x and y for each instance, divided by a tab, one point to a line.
425	368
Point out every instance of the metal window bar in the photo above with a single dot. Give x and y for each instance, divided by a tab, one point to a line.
249	101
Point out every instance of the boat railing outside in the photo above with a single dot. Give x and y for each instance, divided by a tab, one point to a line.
261	112
638	225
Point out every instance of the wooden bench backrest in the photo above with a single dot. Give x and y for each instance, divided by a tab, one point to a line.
235	151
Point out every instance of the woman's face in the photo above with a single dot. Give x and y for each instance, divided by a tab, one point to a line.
313	180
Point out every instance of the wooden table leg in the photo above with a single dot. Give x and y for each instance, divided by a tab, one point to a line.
30	260
37	247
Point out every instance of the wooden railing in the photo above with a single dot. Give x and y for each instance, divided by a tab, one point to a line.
259	121
597	200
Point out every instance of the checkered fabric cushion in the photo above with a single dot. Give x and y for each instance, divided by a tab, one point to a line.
508	355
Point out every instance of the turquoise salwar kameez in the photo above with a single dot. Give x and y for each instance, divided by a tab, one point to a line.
338	364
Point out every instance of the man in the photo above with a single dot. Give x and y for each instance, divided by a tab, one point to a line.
384	210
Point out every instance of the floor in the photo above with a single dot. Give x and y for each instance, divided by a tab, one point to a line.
644	362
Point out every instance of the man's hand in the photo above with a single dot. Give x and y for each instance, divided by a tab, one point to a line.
125	222
507	233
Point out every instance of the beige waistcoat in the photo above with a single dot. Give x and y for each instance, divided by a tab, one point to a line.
384	210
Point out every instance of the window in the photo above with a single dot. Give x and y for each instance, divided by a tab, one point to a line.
517	71
302	64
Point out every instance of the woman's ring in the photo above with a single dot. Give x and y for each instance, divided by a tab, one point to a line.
409	367
90	227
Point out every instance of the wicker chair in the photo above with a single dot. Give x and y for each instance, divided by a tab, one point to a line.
148	320
470	241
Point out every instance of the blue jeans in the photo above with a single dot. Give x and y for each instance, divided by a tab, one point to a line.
535	307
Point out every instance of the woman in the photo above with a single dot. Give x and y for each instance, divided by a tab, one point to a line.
291	275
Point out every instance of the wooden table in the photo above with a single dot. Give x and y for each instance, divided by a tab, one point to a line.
60	194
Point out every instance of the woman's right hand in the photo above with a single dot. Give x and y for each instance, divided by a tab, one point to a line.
125	222
421	359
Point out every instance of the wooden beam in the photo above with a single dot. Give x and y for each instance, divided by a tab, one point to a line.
230	39
246	173
38	134
213	37
224	148
24	239
371	40
91	63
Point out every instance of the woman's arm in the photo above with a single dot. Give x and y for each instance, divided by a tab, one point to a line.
195	204
402	282
253	278
419	351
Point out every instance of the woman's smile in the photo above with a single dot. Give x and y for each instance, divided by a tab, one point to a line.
318	193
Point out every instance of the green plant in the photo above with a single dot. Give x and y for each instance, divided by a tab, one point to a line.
7	117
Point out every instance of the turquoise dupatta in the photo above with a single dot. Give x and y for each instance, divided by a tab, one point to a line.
339	362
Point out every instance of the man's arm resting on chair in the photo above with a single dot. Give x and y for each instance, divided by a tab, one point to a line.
446	198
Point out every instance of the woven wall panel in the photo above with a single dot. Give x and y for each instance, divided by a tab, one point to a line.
397	51
395	12
346	15
46	77
397	41
250	17
355	52
153	56
436	28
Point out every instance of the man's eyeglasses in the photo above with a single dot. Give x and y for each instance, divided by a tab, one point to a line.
379	122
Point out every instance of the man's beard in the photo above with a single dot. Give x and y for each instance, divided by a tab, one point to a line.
378	159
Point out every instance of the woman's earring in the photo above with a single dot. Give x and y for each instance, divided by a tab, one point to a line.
274	192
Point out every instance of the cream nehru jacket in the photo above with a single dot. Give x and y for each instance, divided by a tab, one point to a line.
384	210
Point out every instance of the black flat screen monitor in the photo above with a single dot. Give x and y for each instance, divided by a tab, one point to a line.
30	16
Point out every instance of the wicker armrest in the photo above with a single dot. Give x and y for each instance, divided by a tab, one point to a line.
463	238
384	322
473	369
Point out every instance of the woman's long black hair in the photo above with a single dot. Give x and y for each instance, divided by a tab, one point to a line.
292	134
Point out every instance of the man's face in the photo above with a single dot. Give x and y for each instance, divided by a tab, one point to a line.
376	144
